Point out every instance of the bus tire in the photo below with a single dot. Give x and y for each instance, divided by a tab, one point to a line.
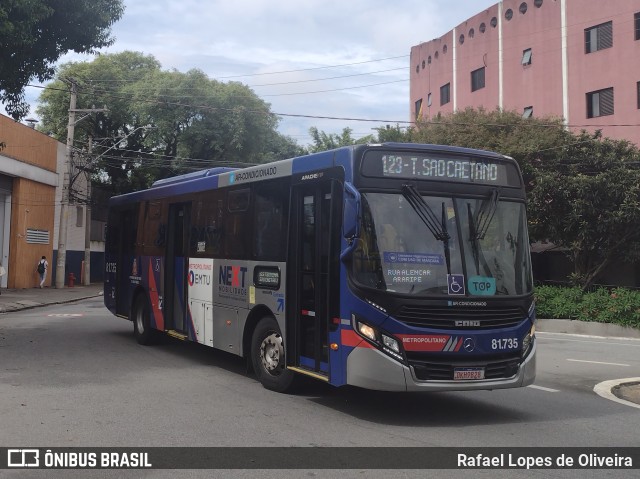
268	356
142	321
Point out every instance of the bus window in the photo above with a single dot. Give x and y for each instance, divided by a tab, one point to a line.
270	225
206	227
237	229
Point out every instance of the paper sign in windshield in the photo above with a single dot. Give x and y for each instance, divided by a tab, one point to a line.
482	286
412	258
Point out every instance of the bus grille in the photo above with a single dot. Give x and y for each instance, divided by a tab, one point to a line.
460	318
427	369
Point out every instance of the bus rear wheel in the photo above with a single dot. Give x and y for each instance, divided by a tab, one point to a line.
268	356
141	321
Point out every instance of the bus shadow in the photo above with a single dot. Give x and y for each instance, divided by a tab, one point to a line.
441	409
419	409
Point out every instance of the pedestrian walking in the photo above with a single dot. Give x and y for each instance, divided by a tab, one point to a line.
2	273
43	266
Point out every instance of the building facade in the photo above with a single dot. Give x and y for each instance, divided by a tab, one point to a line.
573	59
32	166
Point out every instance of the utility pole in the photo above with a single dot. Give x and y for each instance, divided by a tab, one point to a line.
87	223
64	203
66	181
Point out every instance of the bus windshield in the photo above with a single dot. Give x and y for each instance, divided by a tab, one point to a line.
436	246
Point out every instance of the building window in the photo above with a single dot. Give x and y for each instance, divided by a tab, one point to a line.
472	33
429	99
636	19
419	108
445	94
508	14
461	39
429	60
528	112
598	37
423	64
537	3
79	216
483	27
600	103
494	22
477	79
417	68
523	7
444	49
526	57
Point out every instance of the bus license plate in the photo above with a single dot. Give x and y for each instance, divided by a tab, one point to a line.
461	374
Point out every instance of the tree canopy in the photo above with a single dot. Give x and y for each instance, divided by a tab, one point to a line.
160	123
587	199
34	34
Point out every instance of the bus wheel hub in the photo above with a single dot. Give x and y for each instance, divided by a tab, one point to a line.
271	351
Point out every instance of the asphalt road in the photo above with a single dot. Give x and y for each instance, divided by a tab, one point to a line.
73	375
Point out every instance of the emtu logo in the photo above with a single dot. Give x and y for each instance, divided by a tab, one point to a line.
232	178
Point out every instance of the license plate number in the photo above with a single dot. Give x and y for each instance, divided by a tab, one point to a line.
461	374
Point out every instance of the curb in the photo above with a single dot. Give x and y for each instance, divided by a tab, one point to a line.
605	389
24	307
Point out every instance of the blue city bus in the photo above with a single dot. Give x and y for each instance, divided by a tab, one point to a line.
397	267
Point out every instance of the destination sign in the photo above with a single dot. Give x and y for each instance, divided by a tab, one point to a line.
466	169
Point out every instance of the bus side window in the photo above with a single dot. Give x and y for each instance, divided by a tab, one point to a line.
206	227
237	228
269	221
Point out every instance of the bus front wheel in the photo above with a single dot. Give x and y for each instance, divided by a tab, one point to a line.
141	321
268	356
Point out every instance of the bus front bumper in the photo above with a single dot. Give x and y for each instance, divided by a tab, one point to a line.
371	369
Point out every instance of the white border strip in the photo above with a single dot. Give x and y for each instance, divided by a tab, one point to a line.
604	388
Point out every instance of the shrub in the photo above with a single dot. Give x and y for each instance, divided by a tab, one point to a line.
620	306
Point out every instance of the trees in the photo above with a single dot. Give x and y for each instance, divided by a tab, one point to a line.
587	199
35	33
161	123
326	141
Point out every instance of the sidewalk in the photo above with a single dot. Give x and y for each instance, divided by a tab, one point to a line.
18	299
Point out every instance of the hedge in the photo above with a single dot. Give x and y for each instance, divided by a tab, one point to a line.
618	306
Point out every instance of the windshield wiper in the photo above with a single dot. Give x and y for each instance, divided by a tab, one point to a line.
485	215
429	218
479	225
425	212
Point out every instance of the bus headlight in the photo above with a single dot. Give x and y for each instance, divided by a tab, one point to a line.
390	343
528	340
385	343
367	331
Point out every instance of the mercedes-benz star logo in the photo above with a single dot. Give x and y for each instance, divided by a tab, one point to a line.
469	345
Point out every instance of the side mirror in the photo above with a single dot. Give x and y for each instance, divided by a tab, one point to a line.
350	216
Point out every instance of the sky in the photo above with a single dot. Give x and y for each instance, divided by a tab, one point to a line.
340	58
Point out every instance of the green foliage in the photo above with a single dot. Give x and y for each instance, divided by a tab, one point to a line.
328	141
34	34
587	199
196	122
620	306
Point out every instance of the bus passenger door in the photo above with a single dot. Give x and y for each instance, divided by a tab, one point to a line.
176	263
311	260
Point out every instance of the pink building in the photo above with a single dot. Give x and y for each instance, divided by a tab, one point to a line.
574	59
